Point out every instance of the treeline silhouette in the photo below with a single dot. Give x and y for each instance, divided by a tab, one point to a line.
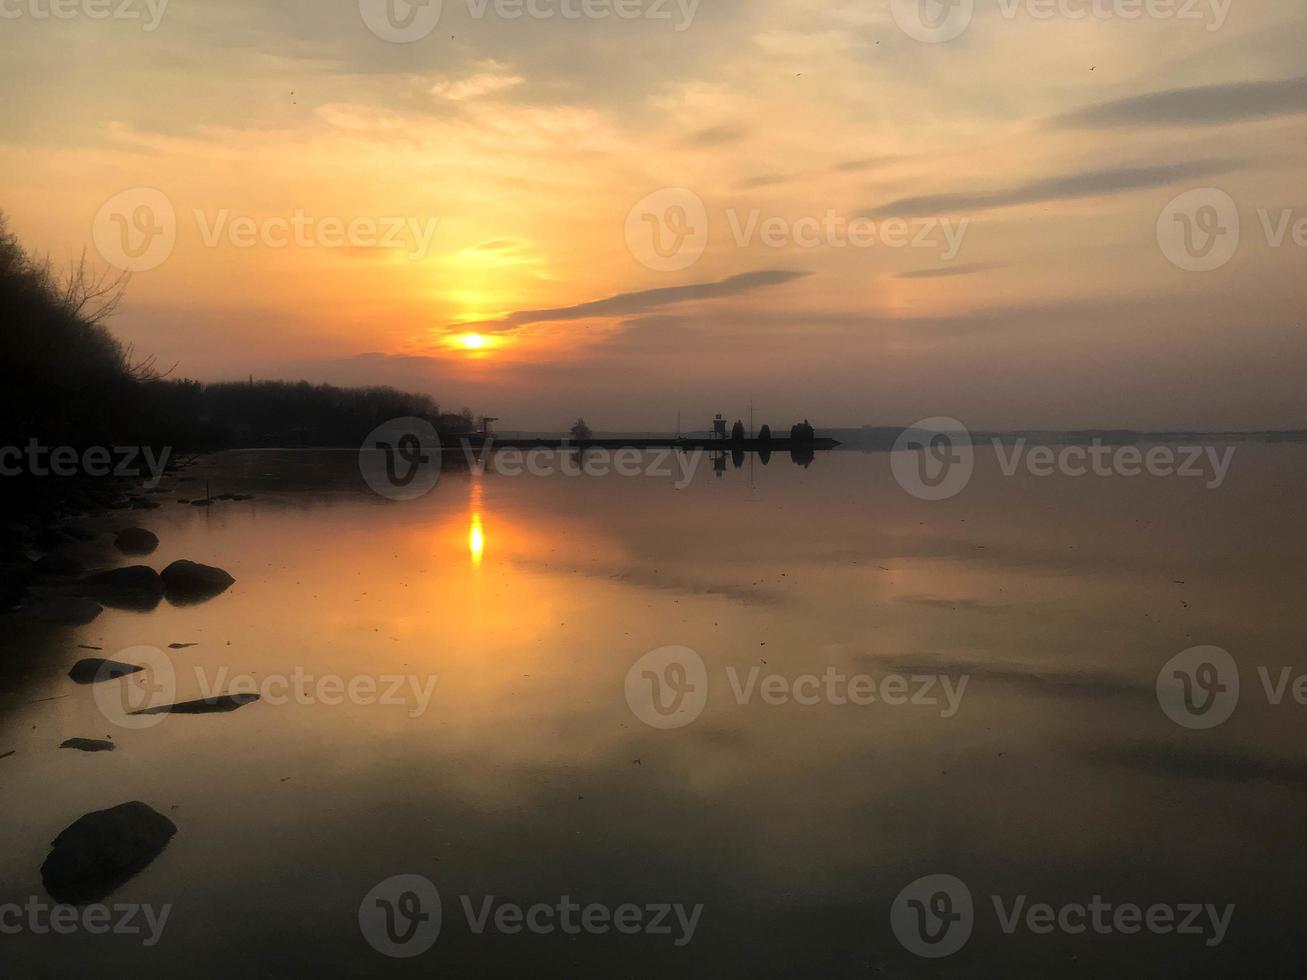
65	380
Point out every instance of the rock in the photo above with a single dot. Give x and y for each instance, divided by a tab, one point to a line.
221	704
79	531
136	541
134	586
102	850
190	581
14	534
51	538
67	610
16	571
93	670
60	564
88	745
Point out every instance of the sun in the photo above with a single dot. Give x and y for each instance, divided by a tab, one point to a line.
474	344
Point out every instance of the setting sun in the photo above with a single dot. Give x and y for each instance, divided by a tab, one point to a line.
472	341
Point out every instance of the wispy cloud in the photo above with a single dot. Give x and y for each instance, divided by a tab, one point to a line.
493	80
628	304
1205	105
717	135
965	269
1089	183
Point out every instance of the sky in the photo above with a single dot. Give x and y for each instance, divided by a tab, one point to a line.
1017	213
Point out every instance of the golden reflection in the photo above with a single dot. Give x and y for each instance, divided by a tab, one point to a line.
476	535
476	540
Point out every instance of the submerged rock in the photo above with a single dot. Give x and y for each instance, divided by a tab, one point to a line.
51	538
67	610
102	850
133	587
60	564
95	670
190	581
88	745
80	531
136	541
133	580
221	704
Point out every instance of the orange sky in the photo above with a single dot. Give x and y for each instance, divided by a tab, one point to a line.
505	176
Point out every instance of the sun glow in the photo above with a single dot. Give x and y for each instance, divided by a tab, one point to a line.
473	343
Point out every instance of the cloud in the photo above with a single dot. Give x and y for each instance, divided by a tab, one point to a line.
489	82
1090	183
1226	764
628	304
717	135
965	269
1205	105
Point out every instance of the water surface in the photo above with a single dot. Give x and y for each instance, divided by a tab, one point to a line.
529	777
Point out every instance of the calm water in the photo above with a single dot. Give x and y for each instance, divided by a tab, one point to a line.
528	776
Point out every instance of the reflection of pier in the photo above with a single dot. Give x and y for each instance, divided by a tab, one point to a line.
686	443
